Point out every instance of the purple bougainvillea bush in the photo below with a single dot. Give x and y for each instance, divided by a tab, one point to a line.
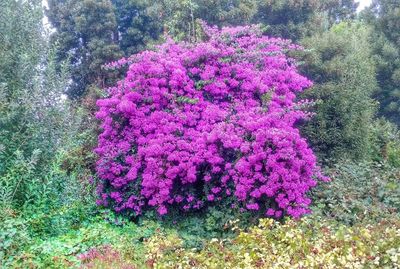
193	124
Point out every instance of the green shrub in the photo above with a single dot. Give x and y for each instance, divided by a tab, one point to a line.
36	123
13	237
308	243
386	144
393	153
63	250
359	192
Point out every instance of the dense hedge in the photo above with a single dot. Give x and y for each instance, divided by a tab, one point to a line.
192	124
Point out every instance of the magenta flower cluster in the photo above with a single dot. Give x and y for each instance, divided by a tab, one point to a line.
194	124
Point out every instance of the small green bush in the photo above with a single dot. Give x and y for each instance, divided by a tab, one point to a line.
13	237
359	192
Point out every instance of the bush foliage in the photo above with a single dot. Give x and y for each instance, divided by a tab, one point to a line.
194	124
307	243
310	243
359	192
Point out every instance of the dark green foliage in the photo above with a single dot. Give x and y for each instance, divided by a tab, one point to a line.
214	222
384	16
287	19
294	19
388	18
136	26
35	122
88	38
92	33
387	57
359	192
13	236
20	53
20	46
226	12
341	65
339	10
291	19
386	143
38	129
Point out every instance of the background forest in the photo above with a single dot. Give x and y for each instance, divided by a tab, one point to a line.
52	73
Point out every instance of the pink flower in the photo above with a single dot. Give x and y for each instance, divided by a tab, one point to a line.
253	206
162	210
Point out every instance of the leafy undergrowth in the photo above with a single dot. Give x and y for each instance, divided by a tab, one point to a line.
359	192
311	242
355	224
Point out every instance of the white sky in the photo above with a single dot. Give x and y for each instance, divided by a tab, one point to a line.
363	4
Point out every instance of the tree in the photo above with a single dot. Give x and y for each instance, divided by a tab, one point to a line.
384	17
285	18
87	37
137	26
341	64
34	120
339	10
179	18
295	19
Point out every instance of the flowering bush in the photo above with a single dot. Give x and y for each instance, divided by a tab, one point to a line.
192	124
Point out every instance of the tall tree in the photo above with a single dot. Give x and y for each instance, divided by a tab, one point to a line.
294	19
34	121
341	65
92	32
291	19
339	10
87	36
384	16
286	19
137	26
